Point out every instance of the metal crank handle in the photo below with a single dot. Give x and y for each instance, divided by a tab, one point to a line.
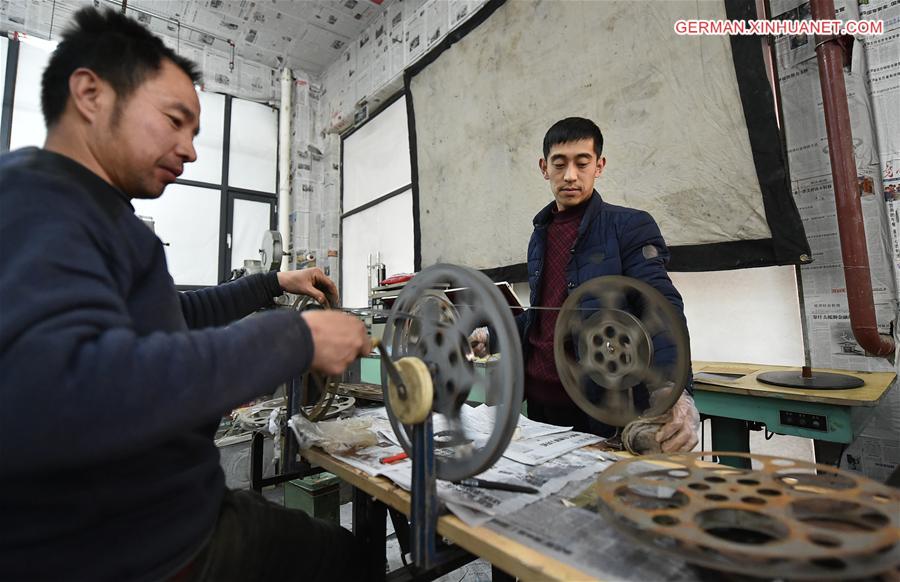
392	371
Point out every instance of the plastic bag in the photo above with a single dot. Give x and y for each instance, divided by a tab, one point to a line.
334	436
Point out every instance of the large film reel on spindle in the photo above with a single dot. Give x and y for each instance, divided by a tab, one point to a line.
621	350
424	324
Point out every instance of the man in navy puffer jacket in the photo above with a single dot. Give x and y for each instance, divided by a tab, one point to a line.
576	238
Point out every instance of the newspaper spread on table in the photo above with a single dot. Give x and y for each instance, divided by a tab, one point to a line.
585	539
542	456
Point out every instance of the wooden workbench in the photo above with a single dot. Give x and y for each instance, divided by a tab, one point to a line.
831	418
876	384
509	555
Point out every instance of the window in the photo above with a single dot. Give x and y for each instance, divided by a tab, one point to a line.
377	201
214	217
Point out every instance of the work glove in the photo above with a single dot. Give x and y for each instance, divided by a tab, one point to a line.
674	431
480	340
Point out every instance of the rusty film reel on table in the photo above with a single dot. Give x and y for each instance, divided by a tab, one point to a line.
424	324
787	519
317	391
621	350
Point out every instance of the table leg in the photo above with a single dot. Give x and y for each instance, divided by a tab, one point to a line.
370	527
828	453
731	435
498	575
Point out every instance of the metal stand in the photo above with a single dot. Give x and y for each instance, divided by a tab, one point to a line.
828	453
369	516
289	465
806	377
425	504
729	434
257	481
424	327
369	520
809	379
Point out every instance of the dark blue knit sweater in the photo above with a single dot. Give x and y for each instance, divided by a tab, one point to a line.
112	383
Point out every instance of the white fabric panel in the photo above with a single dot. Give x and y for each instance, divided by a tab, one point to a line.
28	127
4	51
210	143
251	221
386	228
187	218
253	158
676	141
376	157
744	315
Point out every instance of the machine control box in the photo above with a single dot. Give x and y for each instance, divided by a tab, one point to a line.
804	420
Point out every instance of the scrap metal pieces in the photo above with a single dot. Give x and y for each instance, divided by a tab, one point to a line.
786	519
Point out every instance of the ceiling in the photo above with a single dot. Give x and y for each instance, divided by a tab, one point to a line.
302	34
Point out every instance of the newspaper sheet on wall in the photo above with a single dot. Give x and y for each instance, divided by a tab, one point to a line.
876	453
875	458
873	86
832	343
883	59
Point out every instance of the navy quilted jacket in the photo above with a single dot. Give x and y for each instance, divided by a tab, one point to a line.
611	240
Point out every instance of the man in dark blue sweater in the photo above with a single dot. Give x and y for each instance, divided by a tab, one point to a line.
113	382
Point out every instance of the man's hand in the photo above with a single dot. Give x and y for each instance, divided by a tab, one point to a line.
312	282
338	339
679	433
480	341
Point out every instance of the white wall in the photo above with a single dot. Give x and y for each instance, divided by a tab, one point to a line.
746	315
376	157
376	162
187	220
386	228
253	159
27	121
4	49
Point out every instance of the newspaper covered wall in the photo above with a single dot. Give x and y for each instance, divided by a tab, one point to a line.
315	189
402	33
372	64
225	69
873	87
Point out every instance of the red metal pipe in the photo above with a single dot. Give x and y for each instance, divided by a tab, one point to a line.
846	190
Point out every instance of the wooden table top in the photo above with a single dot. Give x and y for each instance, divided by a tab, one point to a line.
869	394
509	555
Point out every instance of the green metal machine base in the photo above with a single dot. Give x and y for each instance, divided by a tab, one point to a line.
318	495
730	412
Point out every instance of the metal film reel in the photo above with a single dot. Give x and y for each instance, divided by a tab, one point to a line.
340	406
788	520
314	382
424	324
621	350
272	250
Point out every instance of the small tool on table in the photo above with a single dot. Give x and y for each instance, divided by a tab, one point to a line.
485	484
393	459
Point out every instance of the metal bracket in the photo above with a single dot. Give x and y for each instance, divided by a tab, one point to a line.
257	481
